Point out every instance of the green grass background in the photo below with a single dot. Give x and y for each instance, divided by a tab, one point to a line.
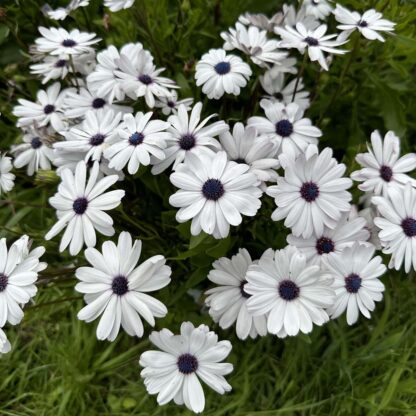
57	367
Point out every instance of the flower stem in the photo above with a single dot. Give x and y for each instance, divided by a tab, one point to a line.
300	73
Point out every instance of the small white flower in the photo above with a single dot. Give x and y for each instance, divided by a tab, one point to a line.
244	146
294	16
48	109
286	126
52	67
397	224
57	41
214	192
139	139
321	9
5	346
292	293
369	214
382	167
314	41
117	290
368	24
254	43
92	136
117	5
219	73
6	178
189	135
170	105
61	13
80	206
35	152
261	21
228	302
174	372
356	281
312	194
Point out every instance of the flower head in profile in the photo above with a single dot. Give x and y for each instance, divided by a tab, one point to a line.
174	373
261	21
6	177
116	288
170	105
117	5
320	9
52	67
61	13
294	15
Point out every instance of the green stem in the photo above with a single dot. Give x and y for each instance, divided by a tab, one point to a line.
300	73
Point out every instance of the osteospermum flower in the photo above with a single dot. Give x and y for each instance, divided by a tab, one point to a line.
6	178
261	20
189	135
117	5
80	206
92	136
397	224
243	146
254	43
170	105
228	301
312	194
368	24
214	192
382	167
356	281
5	346
219	73
315	41
35	152
48	109
292	293
58	41
18	273
286	126
175	372
293	15
52	67
321	9
139	139
61	13
116	289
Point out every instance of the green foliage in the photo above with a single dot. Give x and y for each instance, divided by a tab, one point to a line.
57	367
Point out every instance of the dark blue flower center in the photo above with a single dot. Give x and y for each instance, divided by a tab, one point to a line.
3	282
409	227
386	173
49	108
97	139
69	43
222	68
213	189
362	23
324	245
244	294
278	96
309	191
136	138
187	141
36	143
240	160
353	283
145	79
98	103
187	363
60	63
80	205
311	41
120	285
288	290
284	128
171	104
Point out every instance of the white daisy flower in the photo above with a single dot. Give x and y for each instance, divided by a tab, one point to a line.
293	293
116	289
356	281
397	224
228	301
331	241
261	20
254	43
93	136
52	67
274	85
35	152
285	125
18	273
48	109
321	9
368	24
382	167
214	192
315	41
138	139
117	5
170	105
293	16
369	214
57	41
312	194
140	78
80	206
174	372
6	178
189	135
243	146
5	346
219	73
61	13
78	103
